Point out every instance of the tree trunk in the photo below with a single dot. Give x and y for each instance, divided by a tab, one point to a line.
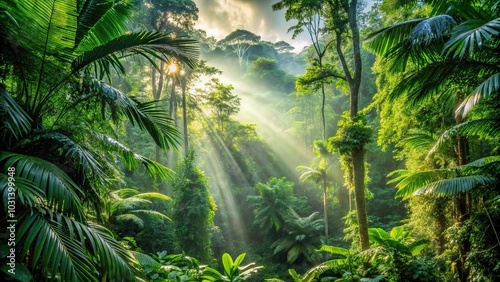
325	206
184	117
358	162
354	81
157	89
462	201
359	196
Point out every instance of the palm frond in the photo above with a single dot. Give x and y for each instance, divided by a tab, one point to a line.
129	204
421	140
408	182
27	192
127	218
327	265
386	39
456	185
488	87
115	260
147	116
151	214
435	79
53	235
131	160
309	173
47	27
480	127
153	196
432	29
150	45
14	118
491	163
418	40
471	35
82	157
292	254
59	188
125	193
100	19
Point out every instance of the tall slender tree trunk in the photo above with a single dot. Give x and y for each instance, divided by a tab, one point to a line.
173	115
157	89
354	81
184	117
325	205
462	205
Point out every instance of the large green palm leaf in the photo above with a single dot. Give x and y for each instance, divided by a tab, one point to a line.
482	24
98	19
148	44
456	185
46	28
147	116
15	119
488	87
72	250
481	127
446	181
132	160
60	190
418	41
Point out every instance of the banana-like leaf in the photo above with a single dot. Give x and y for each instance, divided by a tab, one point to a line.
144	259
334	250
227	263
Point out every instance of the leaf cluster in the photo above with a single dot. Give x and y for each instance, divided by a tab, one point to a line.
353	133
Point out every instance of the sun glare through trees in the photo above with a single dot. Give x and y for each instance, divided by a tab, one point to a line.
285	140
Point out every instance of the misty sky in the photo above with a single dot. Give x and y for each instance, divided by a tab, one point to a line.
220	17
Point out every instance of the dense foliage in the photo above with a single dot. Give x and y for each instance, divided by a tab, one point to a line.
370	155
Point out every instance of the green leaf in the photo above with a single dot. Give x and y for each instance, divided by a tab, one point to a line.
14	118
470	35
21	272
227	263
59	188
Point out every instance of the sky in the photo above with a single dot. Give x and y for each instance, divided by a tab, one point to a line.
220	17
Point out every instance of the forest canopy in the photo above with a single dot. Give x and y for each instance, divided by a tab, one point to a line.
137	147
